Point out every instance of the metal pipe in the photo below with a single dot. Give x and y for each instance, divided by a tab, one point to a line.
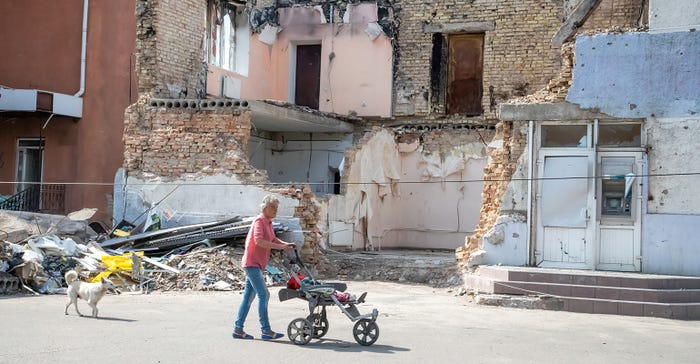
530	156
83	50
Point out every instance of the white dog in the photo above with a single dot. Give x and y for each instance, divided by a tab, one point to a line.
91	292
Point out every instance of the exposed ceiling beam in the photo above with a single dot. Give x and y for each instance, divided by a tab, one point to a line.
575	21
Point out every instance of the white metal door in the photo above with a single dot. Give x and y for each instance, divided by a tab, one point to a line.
619	211
565	197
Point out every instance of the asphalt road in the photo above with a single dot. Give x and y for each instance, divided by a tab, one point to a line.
417	324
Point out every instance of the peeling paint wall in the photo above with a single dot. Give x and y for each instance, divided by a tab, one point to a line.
356	62
411	189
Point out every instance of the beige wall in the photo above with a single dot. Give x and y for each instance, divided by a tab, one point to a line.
356	72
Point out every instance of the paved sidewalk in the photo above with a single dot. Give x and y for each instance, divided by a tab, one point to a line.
417	324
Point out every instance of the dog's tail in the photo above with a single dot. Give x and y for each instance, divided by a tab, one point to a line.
71	276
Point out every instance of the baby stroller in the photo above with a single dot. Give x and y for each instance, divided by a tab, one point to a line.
319	295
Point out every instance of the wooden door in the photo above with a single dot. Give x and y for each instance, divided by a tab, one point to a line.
464	78
308	75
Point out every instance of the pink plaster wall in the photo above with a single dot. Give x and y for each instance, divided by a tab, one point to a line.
356	72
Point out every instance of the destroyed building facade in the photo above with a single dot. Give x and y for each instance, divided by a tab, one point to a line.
381	124
384	113
606	179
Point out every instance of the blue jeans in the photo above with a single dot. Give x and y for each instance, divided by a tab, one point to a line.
254	286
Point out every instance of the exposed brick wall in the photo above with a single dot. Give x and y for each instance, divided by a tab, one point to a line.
518	55
172	142
503	164
519	58
170	47
618	13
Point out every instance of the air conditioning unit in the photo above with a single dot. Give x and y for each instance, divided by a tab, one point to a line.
230	87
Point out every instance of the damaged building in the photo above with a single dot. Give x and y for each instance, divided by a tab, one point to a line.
607	180
406	124
376	120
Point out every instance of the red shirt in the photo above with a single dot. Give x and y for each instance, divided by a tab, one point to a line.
257	256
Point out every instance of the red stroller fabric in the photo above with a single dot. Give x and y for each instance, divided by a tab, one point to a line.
293	284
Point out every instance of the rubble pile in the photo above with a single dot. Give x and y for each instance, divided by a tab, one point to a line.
36	251
217	268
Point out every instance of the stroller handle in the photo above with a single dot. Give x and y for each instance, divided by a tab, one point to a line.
292	260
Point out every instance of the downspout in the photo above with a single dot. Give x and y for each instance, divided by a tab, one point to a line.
83	50
530	156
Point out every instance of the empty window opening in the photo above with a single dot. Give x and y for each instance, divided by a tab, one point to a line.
228	34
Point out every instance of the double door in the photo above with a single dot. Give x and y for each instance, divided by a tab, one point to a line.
588	209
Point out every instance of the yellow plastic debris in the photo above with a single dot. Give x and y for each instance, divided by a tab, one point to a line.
120	233
115	263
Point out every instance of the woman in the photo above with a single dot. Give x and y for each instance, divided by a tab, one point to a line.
260	241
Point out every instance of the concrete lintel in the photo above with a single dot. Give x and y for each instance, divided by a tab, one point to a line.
550	112
468	27
269	117
574	21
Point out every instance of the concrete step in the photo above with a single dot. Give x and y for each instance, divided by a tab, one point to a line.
619	293
678	311
602	292
590	278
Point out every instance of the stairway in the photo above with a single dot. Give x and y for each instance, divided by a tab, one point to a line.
675	297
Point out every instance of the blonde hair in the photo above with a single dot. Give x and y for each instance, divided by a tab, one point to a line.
269	200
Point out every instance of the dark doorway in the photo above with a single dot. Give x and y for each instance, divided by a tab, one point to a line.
465	70
308	75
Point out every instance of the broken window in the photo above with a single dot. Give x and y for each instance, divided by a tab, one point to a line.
564	136
457	73
228	35
619	135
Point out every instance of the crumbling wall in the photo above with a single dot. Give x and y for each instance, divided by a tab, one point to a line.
504	152
189	159
169	47
416	186
617	13
169	138
518	57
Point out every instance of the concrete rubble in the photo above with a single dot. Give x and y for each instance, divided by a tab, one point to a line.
37	250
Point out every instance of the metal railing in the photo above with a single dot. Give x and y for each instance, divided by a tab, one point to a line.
49	198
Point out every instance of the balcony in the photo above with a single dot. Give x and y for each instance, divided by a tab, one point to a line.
45	198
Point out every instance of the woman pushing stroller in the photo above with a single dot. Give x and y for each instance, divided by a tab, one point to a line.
260	241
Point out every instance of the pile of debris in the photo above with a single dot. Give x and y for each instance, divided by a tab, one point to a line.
36	251
203	269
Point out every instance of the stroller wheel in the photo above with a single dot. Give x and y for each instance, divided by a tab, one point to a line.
300	331
319	324
366	332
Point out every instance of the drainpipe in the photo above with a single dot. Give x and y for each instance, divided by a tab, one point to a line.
530	156
83	50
